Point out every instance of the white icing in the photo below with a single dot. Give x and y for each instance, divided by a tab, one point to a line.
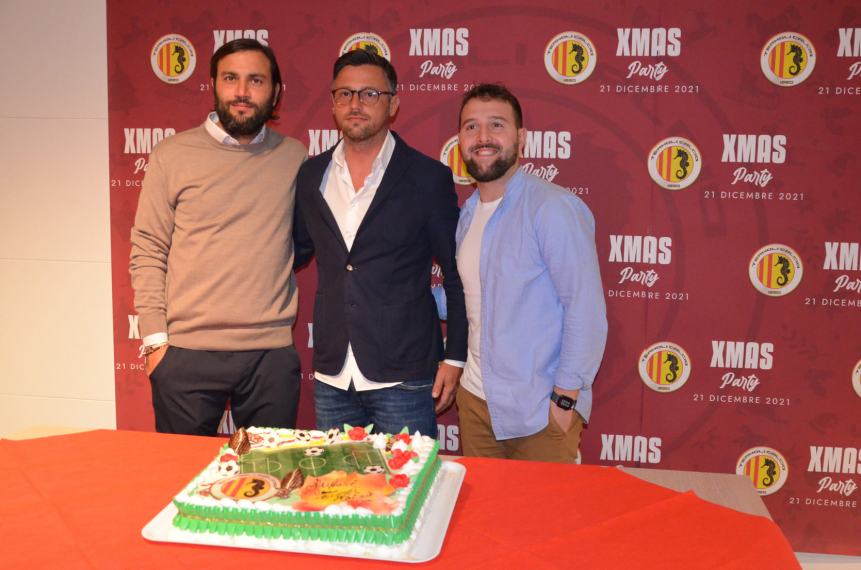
338	510
412	468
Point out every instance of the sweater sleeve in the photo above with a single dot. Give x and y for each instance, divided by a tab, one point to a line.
150	244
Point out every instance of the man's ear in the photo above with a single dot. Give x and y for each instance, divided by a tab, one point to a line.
277	95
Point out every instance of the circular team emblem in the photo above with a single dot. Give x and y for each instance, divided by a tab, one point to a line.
787	59
570	58
250	486
367	41
675	163
765	467
856	378
664	367
173	58
451	157
775	270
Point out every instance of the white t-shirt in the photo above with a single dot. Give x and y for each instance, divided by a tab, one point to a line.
468	265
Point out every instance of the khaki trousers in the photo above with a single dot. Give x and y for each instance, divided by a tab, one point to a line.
549	444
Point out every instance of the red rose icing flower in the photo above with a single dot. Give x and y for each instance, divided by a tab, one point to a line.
397	462
400	458
400	480
404	437
357	433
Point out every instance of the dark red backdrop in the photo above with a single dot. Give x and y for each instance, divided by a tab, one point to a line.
777	171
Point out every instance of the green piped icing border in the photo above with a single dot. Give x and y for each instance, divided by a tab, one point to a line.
371	529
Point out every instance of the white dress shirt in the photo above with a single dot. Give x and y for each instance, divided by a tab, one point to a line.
349	207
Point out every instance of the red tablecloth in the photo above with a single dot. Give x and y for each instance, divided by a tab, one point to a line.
80	501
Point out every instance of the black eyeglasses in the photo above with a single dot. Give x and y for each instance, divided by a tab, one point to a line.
367	96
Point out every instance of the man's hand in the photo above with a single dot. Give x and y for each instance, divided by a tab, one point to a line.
153	359
445	386
563	418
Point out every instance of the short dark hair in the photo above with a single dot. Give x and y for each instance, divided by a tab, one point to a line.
367	56
489	91
247	44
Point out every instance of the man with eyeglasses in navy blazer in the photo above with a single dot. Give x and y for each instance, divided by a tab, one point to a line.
375	213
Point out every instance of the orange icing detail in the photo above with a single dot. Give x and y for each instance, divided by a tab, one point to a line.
370	491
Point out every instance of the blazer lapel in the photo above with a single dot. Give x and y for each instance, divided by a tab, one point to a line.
322	206
391	180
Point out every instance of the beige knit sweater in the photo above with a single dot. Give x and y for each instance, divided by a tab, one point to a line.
211	248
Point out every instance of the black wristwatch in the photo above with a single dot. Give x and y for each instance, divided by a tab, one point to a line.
563	401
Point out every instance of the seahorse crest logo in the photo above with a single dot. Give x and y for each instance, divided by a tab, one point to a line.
675	163
664	367
173	58
367	41
765	467
570	58
451	157
788	59
775	270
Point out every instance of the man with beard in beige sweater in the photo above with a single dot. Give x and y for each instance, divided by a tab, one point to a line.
212	258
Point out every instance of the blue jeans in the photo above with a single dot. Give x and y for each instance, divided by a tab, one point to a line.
408	404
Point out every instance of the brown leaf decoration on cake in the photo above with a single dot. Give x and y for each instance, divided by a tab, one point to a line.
239	442
290	483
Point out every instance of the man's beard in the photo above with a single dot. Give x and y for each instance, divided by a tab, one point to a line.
497	168
246	125
360	133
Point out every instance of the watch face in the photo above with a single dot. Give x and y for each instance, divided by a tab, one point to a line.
563	402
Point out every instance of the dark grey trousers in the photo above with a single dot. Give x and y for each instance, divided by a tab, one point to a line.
191	387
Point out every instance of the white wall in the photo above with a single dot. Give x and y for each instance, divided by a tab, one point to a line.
56	344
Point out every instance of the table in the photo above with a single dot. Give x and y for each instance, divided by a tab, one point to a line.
81	500
727	489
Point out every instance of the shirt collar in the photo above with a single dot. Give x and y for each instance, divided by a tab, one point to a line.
516	183
213	127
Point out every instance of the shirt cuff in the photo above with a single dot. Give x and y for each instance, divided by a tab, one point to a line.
456	363
155	338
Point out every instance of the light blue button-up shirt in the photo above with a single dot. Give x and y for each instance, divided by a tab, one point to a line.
543	318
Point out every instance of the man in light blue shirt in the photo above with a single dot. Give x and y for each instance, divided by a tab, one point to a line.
537	320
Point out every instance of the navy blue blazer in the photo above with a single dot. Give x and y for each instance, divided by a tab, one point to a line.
377	295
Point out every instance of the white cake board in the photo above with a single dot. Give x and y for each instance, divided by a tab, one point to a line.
427	545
